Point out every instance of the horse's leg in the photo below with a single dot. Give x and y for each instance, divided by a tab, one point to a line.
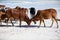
52	22
39	24
44	23
34	22
20	23
56	22
11	21
0	21
7	21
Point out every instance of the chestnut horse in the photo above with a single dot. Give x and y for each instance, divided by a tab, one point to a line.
24	9
45	14
17	14
1	13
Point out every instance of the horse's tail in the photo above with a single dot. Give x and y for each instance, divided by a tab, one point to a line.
58	19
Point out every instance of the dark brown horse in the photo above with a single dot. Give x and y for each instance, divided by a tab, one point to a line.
2	6
3	12
17	14
45	14
2	17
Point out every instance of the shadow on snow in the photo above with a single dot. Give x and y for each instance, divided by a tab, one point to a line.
26	26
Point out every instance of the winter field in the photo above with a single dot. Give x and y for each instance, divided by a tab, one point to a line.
31	32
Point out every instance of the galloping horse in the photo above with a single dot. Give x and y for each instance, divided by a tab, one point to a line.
45	14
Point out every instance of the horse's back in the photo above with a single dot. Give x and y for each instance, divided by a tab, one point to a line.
47	13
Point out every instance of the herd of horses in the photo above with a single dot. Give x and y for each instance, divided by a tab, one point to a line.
18	13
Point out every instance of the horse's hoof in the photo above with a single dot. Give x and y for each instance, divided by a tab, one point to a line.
50	26
20	26
34	22
12	25
5	21
38	26
44	26
57	27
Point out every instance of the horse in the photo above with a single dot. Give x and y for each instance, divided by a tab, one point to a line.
19	8
45	14
2	16
32	11
3	13
17	14
2	6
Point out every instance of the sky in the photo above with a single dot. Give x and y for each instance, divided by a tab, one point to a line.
39	4
31	0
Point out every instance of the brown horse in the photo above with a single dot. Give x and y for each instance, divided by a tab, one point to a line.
24	9
2	17
45	14
17	14
3	12
2	6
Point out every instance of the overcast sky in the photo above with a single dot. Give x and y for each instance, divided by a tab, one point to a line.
38	4
29	3
31	0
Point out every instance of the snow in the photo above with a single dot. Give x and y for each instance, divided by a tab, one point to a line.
29	33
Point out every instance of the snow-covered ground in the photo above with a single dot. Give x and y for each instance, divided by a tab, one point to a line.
29	33
16	33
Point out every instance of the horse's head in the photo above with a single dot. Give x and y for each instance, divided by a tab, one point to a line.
28	21
33	19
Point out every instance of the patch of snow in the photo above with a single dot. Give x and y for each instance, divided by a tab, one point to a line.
17	33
